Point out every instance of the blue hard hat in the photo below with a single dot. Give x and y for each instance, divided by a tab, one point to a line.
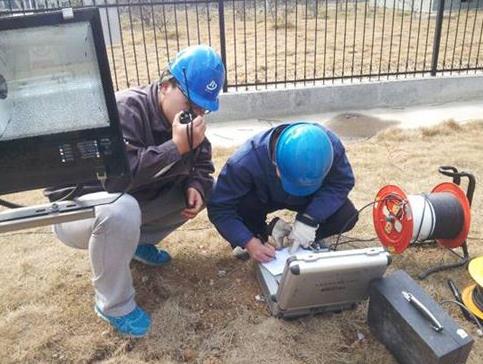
205	75
303	156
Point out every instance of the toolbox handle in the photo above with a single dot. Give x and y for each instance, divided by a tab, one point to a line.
436	325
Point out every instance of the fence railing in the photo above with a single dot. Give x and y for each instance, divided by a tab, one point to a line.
276	43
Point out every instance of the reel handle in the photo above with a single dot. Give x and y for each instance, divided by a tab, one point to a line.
453	172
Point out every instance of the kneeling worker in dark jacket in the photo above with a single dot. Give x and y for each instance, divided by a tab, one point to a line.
301	167
172	178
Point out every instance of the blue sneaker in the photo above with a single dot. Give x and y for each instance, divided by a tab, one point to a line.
135	324
150	255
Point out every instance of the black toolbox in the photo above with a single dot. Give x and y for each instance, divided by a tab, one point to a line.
404	329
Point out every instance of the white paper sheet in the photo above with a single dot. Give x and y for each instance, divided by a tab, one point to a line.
275	267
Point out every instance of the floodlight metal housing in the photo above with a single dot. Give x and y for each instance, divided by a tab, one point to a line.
59	122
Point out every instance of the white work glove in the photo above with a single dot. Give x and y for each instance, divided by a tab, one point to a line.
280	229
302	234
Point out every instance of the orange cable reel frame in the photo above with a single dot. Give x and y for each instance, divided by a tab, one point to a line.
392	220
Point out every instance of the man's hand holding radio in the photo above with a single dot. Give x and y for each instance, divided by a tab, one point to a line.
180	134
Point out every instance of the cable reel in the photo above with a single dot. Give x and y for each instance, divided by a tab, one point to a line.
401	219
443	215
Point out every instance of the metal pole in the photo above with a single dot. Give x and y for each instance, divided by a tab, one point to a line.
437	37
221	21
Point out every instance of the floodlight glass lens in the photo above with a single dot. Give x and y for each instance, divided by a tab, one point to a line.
49	81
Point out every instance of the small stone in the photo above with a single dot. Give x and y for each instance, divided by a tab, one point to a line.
360	336
259	298
145	279
212	282
129	346
188	355
221	273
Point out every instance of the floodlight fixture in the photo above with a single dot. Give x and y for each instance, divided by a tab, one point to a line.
59	123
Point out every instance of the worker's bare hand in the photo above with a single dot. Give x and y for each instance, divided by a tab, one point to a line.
180	135
194	203
260	252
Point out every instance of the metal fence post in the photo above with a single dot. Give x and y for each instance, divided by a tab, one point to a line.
437	37
221	21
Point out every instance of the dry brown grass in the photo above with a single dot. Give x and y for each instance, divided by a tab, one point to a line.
46	305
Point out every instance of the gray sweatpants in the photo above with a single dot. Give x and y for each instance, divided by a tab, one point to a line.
112	237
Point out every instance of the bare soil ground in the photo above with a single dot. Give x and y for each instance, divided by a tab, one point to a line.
199	315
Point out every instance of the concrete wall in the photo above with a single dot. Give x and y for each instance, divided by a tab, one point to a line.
344	97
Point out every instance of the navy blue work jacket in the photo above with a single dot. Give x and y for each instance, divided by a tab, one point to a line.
250	169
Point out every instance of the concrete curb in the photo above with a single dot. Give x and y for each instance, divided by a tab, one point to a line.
343	97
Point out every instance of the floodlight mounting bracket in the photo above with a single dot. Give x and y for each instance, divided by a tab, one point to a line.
51	213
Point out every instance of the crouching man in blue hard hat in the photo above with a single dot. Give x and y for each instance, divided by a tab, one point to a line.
301	167
171	166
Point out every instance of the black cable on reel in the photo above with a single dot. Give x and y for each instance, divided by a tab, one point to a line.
450	215
477	296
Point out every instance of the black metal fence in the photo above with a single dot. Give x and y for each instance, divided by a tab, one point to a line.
276	43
